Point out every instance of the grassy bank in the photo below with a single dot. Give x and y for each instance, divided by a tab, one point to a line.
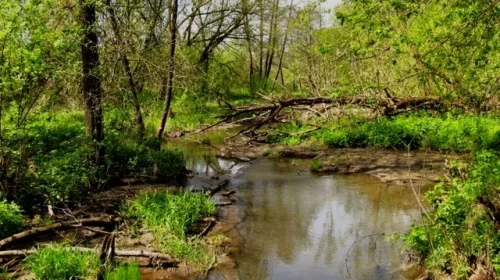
447	133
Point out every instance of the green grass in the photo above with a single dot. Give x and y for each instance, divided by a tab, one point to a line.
59	262
460	232
443	133
11	220
122	272
168	216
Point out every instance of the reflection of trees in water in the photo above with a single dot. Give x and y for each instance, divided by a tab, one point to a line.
310	222
201	159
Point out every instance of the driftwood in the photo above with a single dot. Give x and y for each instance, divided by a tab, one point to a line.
211	224
118	253
91	222
212	191
229	193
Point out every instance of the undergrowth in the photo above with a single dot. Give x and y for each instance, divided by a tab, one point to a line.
442	133
461	229
168	216
122	272
50	159
11	220
59	262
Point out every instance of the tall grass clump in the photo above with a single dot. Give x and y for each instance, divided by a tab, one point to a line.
168	216
122	272
11	220
460	232
59	262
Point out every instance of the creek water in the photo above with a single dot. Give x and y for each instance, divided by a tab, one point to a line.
297	225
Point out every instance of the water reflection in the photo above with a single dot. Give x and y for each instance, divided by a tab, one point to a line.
200	154
300	226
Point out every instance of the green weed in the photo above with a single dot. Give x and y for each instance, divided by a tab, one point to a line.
122	272
11	220
169	215
59	262
443	133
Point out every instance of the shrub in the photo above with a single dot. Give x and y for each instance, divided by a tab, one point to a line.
460	230
59	262
11	220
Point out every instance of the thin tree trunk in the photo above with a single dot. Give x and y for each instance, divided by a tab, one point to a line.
283	48
273	37
171	68
128	71
261	37
91	82
248	34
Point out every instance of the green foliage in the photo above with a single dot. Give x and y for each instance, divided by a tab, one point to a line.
51	159
128	158
169	215
446	133
460	231
315	165
121	272
59	262
11	220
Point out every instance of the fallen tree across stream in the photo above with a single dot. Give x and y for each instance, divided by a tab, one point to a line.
382	105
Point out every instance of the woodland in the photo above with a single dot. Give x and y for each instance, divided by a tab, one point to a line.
90	90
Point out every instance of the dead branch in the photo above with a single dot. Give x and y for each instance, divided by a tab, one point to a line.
118	253
211	224
91	222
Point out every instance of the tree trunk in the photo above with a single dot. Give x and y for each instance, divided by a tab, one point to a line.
91	82
283	48
128	71
171	67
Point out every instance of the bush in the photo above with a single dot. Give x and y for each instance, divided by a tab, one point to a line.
460	230
169	216
11	220
61	263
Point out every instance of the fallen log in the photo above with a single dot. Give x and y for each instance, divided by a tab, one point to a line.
118	253
90	222
385	105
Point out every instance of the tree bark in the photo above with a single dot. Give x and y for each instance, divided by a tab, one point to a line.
91	82
128	71
171	68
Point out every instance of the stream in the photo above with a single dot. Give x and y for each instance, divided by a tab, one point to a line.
298	225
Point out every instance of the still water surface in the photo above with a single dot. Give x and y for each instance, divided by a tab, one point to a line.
297	225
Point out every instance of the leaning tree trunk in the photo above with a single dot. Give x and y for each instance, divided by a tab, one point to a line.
91	82
171	67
